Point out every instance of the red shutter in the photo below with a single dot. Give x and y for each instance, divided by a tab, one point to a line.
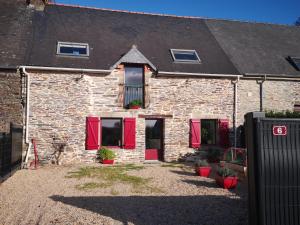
129	133
195	133
92	133
224	133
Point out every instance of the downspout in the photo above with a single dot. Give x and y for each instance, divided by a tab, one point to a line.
261	92
235	82
27	75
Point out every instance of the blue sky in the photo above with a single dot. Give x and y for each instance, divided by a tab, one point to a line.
270	11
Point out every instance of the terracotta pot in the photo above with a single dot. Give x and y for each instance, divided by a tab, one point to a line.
135	107
227	182
203	171
108	161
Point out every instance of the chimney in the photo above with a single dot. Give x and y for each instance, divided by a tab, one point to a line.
37	4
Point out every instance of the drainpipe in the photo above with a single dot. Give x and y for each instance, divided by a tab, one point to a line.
261	92
235	82
27	75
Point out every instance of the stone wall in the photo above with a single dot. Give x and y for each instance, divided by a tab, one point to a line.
61	102
10	99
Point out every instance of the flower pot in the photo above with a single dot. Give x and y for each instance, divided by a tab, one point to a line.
227	182
135	107
108	161
203	171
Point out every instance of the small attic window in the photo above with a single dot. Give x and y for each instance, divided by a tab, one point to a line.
185	56
295	61
72	49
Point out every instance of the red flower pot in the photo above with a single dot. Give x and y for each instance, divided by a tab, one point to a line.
135	107
227	182
203	171
108	161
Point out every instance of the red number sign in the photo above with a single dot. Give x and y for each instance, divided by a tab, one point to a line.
279	130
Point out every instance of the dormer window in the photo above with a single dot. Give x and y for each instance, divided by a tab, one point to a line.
185	56
72	49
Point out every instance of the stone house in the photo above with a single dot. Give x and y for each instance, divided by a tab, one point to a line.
73	73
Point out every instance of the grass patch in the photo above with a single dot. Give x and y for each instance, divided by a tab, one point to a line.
110	175
172	165
92	185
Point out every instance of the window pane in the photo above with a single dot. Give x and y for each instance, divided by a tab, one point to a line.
154	129
133	75
185	56
208	131
111	132
73	50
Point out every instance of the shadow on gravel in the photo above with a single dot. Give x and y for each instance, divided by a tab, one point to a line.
185	173
149	210
201	183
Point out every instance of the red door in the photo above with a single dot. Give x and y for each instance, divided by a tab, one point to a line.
154	139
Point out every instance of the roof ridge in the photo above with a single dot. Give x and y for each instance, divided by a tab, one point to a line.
168	15
126	11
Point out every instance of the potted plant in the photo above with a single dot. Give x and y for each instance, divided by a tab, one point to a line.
226	178
135	104
106	155
202	168
214	155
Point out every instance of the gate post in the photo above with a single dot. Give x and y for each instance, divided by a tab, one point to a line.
251	134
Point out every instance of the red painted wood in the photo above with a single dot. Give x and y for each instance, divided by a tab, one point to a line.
151	154
129	133
224	133
195	133
92	133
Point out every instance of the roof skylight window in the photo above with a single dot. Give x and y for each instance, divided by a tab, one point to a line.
295	62
72	49
185	56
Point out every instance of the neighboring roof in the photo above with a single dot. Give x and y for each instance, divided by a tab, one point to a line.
15	24
257	47
110	35
134	56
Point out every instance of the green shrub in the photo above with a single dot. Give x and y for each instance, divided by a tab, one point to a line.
136	102
226	172
105	153
214	154
201	163
282	114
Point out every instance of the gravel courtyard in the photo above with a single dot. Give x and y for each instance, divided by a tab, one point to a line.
150	194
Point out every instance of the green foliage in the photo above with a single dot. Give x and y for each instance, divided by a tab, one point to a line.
226	172
214	154
282	114
105	153
136	102
201	163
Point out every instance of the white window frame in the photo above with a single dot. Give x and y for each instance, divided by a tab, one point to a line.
73	45
172	50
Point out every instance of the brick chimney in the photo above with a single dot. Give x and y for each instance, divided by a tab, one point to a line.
37	4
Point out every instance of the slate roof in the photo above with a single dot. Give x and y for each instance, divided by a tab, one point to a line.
224	47
111	34
257	47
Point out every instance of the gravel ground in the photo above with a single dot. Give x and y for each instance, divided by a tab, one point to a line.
46	196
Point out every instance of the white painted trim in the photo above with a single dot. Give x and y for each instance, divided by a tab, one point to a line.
77	70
